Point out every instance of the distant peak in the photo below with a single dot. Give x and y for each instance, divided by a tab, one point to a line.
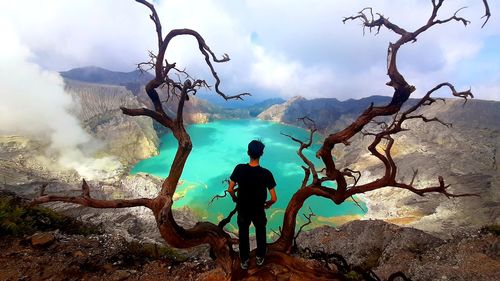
99	75
294	98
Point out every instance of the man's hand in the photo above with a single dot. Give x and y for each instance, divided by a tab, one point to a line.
268	204
273	199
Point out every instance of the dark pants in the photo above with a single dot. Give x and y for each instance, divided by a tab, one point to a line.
258	218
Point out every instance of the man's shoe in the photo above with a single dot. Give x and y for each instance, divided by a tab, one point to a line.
244	265
260	261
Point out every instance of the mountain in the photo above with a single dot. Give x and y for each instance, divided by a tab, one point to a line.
466	155
98	75
326	112
255	109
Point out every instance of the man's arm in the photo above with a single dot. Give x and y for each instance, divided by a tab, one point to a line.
231	191
273	200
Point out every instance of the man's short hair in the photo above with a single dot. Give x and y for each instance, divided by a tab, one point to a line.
255	149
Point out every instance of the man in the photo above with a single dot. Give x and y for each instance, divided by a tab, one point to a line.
253	182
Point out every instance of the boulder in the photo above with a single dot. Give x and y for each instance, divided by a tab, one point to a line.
42	239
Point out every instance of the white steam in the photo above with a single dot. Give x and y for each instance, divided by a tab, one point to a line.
33	103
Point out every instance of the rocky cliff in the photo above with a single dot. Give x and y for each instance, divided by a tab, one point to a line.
128	138
386	248
466	155
22	160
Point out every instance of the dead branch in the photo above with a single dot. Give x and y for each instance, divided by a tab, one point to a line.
217	197
487	13
389	178
86	200
355	175
414	176
227	219
307	174
154	17
357	204
278	233
308	222
304	145
162	119
441	188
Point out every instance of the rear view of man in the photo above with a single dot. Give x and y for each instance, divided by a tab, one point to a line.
253	183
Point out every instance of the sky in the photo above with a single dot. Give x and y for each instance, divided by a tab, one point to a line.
277	48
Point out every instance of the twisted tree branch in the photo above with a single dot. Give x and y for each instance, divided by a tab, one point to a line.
86	200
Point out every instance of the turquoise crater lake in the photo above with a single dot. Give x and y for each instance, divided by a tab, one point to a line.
218	146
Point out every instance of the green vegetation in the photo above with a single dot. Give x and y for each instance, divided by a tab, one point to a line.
18	219
353	275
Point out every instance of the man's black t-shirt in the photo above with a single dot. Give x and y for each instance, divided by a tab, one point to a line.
253	183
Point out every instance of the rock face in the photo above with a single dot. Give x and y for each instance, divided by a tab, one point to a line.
42	239
22	160
387	248
128	138
466	155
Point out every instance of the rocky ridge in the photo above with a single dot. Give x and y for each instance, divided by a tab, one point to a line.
386	248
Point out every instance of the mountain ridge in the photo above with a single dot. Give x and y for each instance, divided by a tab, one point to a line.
99	75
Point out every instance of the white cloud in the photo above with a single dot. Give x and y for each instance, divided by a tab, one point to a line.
290	78
297	38
64	34
488	92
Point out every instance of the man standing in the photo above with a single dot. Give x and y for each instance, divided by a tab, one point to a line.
253	182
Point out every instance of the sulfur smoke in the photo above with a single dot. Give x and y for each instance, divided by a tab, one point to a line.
33	104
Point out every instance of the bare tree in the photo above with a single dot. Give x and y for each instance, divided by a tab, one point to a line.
182	85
